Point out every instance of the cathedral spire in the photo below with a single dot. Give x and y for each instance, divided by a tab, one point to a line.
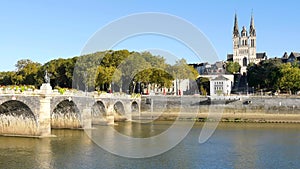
252	27
236	27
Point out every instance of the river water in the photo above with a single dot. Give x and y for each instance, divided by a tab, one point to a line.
233	145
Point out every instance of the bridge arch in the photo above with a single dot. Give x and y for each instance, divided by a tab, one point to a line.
66	115
99	113
17	118
135	107
119	107
119	111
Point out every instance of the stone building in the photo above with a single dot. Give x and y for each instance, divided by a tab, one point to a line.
244	46
220	86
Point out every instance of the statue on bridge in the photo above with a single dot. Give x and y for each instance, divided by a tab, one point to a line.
47	77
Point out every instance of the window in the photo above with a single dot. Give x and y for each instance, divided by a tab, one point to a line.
245	61
252	42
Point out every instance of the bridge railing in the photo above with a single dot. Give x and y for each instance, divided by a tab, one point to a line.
71	92
16	92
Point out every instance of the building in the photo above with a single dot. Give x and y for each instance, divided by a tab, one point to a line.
244	46
179	87
210	69
217	75
293	57
220	86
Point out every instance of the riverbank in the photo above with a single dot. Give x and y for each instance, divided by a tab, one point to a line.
223	117
246	109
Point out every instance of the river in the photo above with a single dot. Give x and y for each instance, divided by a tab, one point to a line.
233	145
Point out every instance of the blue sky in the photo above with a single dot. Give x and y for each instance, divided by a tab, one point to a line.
45	30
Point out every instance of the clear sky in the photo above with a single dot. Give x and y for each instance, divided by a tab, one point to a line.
47	29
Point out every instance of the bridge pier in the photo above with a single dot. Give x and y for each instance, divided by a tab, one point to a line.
44	117
128	112
86	118
45	111
110	115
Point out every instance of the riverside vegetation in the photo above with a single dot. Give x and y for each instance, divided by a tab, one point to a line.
110	70
102	71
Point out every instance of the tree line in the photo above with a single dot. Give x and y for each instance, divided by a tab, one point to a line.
274	75
120	70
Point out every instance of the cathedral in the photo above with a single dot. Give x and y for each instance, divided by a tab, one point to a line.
244	46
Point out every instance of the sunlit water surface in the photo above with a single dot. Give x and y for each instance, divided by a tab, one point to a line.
233	145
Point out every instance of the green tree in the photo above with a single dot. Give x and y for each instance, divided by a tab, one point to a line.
60	70
233	67
26	72
204	85
133	70
181	70
264	75
290	79
6	78
107	75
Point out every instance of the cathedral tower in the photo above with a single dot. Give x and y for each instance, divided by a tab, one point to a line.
244	46
252	39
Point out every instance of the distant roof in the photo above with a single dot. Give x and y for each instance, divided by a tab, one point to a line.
229	56
285	56
261	55
219	64
220	77
295	54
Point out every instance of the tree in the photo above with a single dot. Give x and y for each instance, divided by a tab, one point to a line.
116	79
101	69
21	64
6	78
290	78
204	85
181	70
60	70
107	75
264	75
133	70
26	72
233	67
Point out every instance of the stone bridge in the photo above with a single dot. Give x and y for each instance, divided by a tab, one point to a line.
35	113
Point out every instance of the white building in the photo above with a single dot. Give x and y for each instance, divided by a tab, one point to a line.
220	86
179	87
230	77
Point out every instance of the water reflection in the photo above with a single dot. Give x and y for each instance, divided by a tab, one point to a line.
138	129
233	145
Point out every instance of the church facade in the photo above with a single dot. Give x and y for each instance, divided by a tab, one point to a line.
244	46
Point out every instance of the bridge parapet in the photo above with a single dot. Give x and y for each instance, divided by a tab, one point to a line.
56	92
